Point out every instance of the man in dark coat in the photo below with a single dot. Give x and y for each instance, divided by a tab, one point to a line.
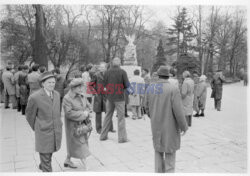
216	85
60	83
44	117
115	81
166	112
16	76
99	97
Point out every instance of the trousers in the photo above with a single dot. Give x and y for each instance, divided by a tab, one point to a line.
217	104
12	99
45	162
164	162
98	122
110	108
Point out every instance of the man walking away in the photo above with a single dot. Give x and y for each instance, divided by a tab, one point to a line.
165	109
115	81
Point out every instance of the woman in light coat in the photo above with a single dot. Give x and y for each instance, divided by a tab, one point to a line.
76	109
202	94
187	92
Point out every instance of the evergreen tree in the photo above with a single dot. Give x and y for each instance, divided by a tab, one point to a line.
160	58
180	35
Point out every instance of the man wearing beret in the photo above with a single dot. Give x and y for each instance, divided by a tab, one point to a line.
44	117
165	109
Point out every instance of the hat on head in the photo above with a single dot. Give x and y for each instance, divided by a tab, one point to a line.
76	82
46	75
163	71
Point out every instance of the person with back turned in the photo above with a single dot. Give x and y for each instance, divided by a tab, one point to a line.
165	110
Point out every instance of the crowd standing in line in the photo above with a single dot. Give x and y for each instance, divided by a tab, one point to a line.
41	95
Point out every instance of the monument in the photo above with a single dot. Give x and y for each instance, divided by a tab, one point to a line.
130	58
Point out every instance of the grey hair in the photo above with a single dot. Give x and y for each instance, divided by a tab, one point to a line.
186	74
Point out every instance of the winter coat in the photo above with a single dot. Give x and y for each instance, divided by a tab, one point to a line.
187	92
216	86
167	116
9	82
137	85
74	106
202	94
24	88
44	117
34	82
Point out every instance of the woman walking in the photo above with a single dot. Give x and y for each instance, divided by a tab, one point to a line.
76	109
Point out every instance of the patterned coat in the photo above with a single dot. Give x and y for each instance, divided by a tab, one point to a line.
44	117
74	106
167	116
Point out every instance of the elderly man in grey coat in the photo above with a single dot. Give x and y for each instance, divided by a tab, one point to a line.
9	87
44	117
165	109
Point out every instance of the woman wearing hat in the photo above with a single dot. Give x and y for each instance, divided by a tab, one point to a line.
44	116
76	109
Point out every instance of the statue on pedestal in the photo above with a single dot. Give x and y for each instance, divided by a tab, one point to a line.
130	51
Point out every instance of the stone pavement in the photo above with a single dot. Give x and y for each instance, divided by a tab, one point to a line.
215	143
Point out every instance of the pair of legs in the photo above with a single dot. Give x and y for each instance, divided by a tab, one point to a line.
217	104
110	108
136	110
164	162
18	104
12	99
98	123
23	107
45	162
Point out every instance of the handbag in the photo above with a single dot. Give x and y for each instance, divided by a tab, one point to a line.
83	128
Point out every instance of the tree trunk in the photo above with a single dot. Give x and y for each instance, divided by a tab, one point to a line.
40	46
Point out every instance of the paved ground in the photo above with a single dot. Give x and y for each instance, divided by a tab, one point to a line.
216	143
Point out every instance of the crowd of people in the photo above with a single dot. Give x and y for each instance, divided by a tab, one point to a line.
41	95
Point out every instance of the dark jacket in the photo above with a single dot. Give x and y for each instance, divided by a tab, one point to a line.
99	98
115	81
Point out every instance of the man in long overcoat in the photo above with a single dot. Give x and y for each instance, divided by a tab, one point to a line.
9	87
44	117
165	109
216	85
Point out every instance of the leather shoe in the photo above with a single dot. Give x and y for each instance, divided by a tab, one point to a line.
112	131
69	164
